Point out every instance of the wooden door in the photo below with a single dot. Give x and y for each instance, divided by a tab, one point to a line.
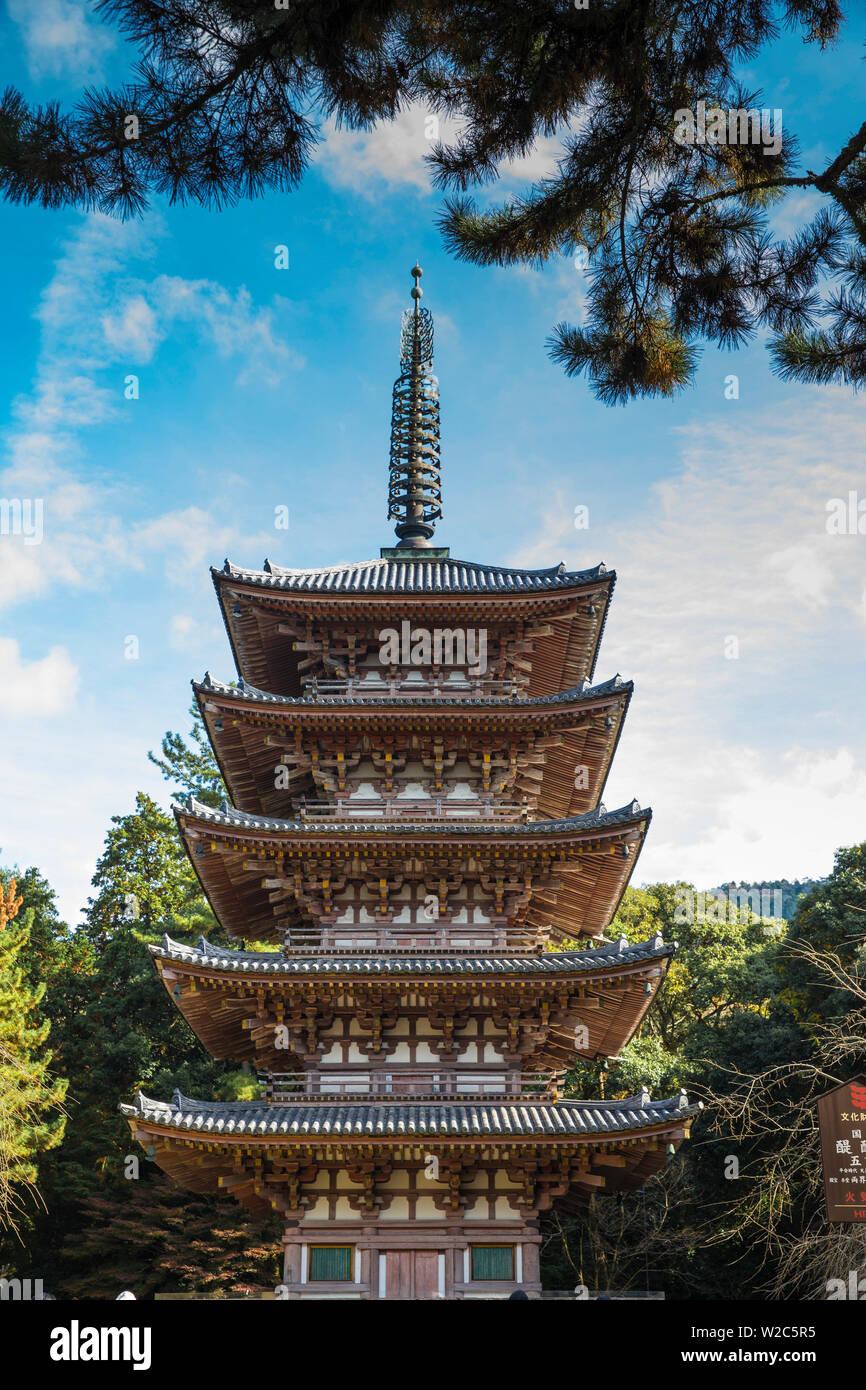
426	1272
398	1273
411	1274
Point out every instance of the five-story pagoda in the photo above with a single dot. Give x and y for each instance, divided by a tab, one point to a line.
415	752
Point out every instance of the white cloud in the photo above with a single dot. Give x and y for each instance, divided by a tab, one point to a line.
141	316
230	323
734	543
192	635
563	283
81	536
799	206
393	153
187	539
538	163
96	255
725	811
60	40
132	330
35	688
181	628
56	773
94	315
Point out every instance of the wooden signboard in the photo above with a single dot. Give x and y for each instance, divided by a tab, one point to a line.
842	1123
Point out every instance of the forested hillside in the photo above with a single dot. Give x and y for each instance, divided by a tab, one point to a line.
782	894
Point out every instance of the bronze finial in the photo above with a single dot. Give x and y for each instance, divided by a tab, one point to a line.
414	489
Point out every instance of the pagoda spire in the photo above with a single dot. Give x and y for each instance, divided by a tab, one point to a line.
414	490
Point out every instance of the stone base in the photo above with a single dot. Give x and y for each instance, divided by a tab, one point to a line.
410	1260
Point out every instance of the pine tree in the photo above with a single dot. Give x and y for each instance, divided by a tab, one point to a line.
144	876
228	98
191	765
220	104
673	233
31	1116
116	1031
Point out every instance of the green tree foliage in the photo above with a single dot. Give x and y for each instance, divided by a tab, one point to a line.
191	766
129	1036
31	1116
144	876
228	96
115	1030
832	917
776	1211
782	892
723	969
757	1025
675	235
51	944
717	1009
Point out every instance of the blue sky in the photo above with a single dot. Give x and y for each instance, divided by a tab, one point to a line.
261	388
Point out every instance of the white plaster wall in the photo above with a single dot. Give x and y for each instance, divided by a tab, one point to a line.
426	1210
479	1181
398	1210
400	1179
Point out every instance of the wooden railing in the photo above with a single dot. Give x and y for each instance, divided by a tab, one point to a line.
390	686
404	808
448	939
435	1083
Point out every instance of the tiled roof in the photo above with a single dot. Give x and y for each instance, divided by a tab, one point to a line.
394	1119
413	576
274	963
584	691
227	817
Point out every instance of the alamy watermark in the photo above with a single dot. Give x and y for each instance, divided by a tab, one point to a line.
740	905
21	1290
22	516
736	126
77	1343
846	516
850	1288
439	646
